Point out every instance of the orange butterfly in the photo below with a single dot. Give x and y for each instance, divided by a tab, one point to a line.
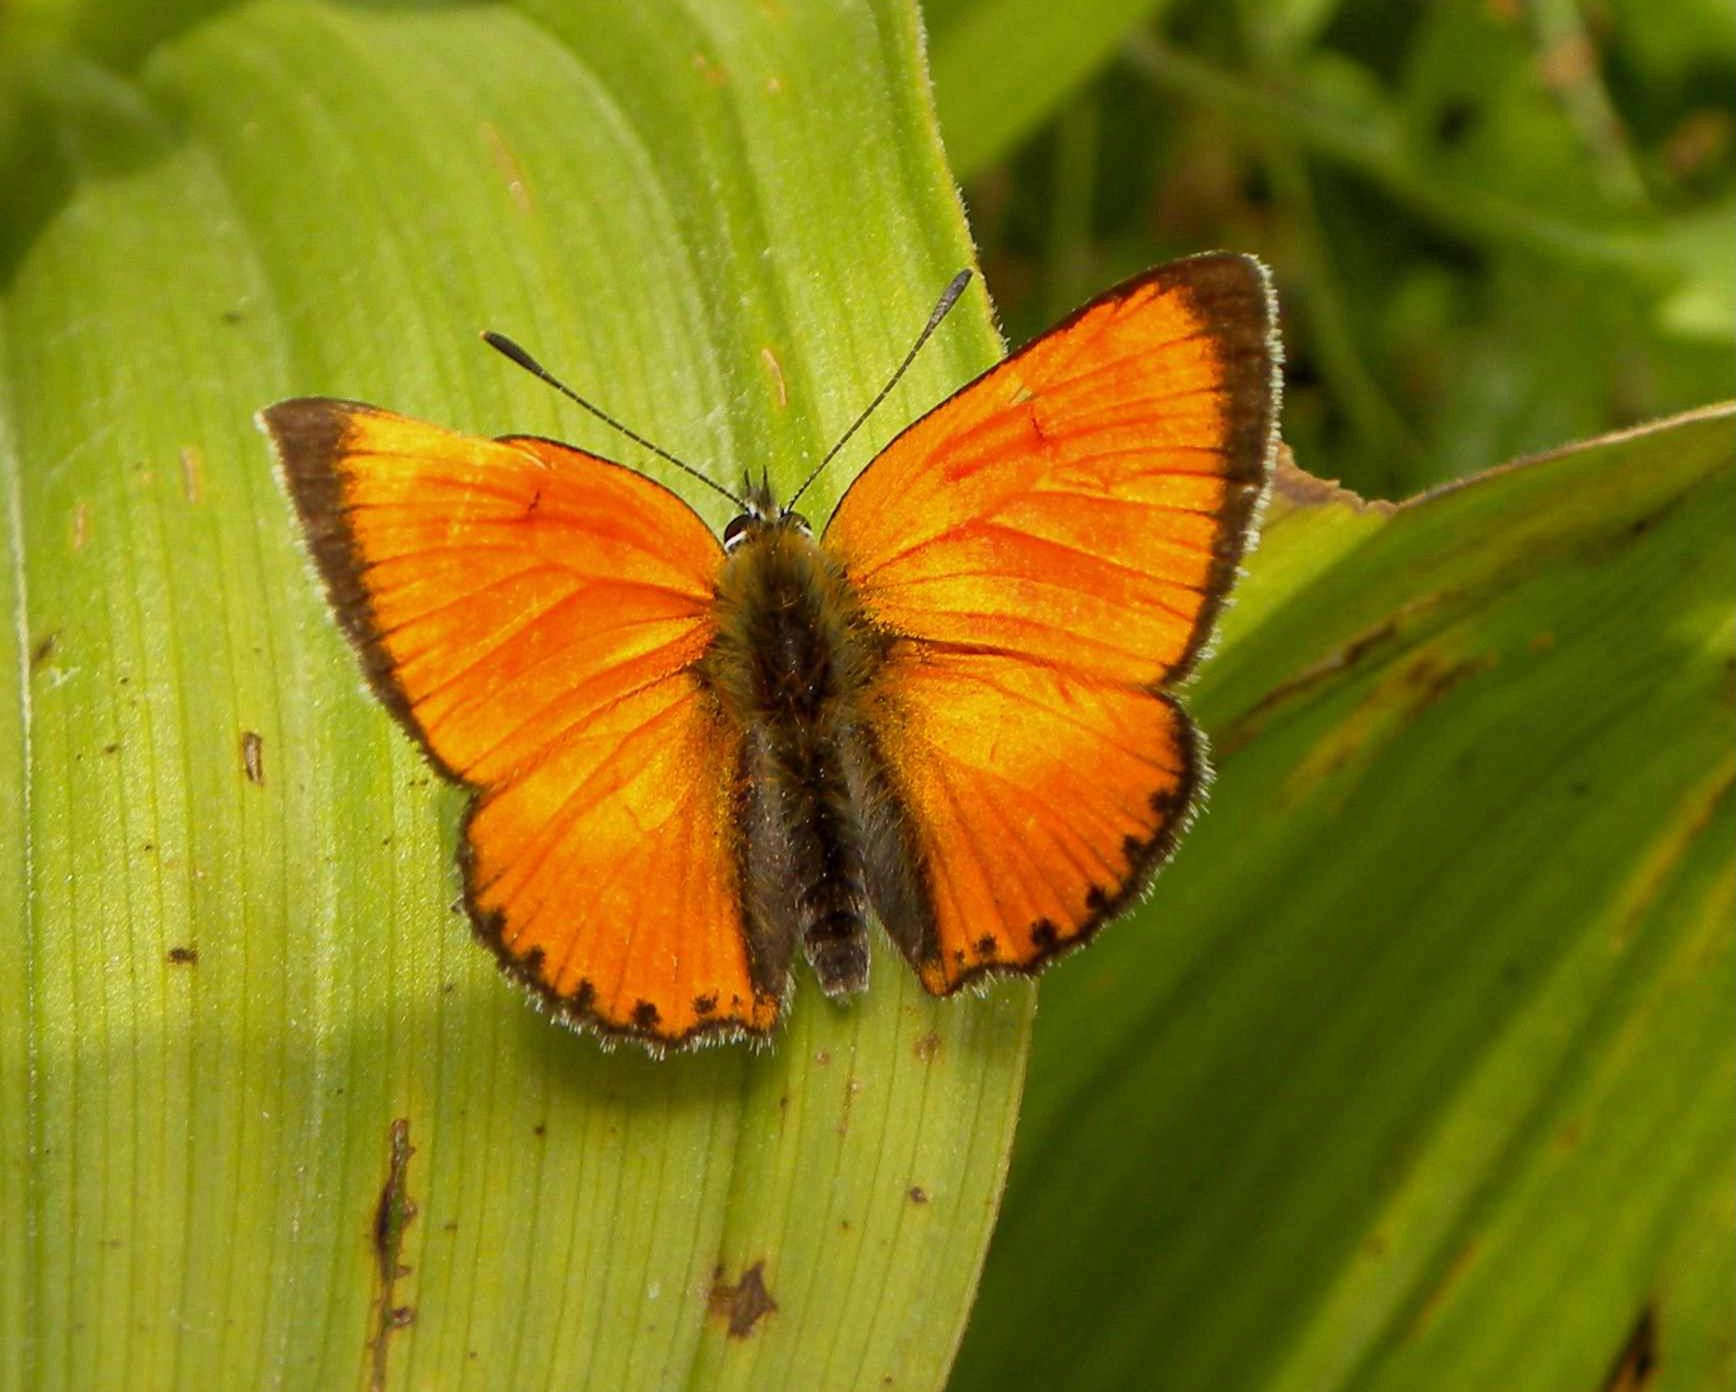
953	708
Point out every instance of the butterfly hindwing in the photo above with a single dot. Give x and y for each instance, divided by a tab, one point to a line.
1048	550
1041	799
533	615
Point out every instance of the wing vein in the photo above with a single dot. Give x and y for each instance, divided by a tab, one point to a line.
555	828
572	725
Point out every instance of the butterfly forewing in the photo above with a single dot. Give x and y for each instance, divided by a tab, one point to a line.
533	615
1048	549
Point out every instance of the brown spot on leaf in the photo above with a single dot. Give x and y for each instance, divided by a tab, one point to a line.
1446	1283
1431	678
918	1195
183	956
1636	1365
44	649
1639	526
392	1215
852	1086
745	1303
253	756
1699	139
1250	724
927	1047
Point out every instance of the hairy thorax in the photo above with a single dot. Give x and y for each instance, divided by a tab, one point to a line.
791	644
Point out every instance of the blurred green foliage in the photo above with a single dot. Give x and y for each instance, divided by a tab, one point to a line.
1496	225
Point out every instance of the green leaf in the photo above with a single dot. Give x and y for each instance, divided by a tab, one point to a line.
1003	67
1415	1070
268	1114
14	989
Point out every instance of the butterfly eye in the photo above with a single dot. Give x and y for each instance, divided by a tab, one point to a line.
736	532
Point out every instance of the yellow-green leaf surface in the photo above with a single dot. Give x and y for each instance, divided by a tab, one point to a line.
269	1116
1415	1072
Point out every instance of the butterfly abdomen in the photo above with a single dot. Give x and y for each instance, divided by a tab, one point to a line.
788	663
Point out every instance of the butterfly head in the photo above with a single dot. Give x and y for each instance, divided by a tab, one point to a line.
761	514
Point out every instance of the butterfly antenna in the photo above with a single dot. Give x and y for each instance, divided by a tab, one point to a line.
507	348
948	298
